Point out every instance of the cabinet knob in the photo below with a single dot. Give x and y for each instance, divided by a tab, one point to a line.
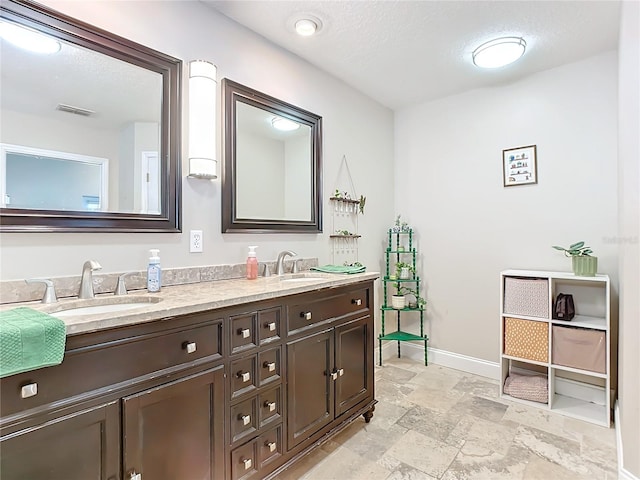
245	332
271	446
29	390
271	366
356	301
270	405
246	419
190	347
271	326
334	375
135	476
306	315
245	376
247	463
341	372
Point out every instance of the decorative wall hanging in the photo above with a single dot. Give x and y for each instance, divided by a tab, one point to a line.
519	166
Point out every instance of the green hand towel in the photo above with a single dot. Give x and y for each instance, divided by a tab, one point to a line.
29	340
339	269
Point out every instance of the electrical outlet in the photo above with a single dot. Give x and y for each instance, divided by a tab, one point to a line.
195	241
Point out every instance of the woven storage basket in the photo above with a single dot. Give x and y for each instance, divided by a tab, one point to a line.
580	348
526	339
527	387
526	296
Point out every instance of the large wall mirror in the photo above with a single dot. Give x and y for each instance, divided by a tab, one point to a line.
90	137
272	177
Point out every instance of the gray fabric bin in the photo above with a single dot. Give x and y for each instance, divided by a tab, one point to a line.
526	296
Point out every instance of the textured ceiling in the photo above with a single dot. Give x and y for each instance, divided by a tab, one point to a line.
404	52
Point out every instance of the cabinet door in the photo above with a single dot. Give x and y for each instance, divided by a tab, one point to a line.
82	446
354	364
310	403
176	430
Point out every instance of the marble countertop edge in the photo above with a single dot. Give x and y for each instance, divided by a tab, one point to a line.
189	299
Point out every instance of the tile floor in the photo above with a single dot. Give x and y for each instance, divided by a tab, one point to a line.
438	423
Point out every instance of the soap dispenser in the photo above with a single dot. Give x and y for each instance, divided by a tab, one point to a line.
252	264
154	272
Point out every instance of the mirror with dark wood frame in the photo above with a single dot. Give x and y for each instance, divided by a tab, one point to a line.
91	130
272	174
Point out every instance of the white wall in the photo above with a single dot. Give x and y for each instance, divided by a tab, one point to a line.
449	187
629	201
353	125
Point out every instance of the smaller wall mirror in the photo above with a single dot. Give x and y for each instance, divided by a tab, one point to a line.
272	176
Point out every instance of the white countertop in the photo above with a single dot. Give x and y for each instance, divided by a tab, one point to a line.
191	298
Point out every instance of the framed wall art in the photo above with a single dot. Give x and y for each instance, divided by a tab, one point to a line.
519	166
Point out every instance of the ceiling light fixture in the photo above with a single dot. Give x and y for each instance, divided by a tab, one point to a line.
306	27
499	52
28	39
284	125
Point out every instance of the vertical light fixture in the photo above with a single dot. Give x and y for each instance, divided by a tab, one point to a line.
202	120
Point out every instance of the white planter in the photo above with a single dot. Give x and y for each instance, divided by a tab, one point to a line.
398	302
405	273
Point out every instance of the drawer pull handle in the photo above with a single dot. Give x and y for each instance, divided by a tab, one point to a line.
29	390
135	476
247	463
245	376
306	315
271	366
190	347
271	326
270	405
245	332
356	301
341	372
246	419
271	446
334	375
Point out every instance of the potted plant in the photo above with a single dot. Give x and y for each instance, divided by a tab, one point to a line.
417	301
404	270
583	263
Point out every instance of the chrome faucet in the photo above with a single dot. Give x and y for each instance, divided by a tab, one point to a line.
280	260
86	283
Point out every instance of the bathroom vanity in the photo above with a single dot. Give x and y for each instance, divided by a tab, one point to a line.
219	380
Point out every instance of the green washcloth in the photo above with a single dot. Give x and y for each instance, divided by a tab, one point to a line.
29	340
339	269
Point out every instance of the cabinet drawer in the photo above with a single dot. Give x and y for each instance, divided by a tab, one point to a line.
269	325
306	313
269	446
244	332
244	376
88	368
244	419
269	363
244	461
270	406
349	303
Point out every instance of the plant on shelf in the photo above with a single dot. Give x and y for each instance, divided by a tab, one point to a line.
403	292
583	263
363	200
404	270
400	226
345	233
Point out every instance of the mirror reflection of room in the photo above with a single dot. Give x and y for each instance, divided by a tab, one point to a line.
80	129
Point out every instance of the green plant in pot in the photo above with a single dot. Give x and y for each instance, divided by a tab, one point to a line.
583	263
404	270
398	299
418	301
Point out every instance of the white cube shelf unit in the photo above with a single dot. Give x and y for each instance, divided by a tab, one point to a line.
580	391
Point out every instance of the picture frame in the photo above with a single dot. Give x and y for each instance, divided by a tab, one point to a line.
519	166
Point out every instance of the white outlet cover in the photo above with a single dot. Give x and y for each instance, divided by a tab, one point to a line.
195	241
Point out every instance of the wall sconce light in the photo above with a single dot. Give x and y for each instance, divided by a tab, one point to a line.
202	120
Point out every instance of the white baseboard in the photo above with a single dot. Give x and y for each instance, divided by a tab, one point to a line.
441	357
623	474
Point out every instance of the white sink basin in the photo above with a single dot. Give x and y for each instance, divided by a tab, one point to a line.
101	305
304	277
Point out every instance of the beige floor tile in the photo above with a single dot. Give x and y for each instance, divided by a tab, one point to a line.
435	399
406	472
540	419
430	423
423	453
474	462
437	378
542	469
479	407
578	427
344	464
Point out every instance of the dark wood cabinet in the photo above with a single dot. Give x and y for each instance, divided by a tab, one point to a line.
84	445
176	430
235	393
310	404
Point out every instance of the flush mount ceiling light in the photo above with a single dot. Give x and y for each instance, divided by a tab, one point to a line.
284	125
28	39
499	52
305	25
